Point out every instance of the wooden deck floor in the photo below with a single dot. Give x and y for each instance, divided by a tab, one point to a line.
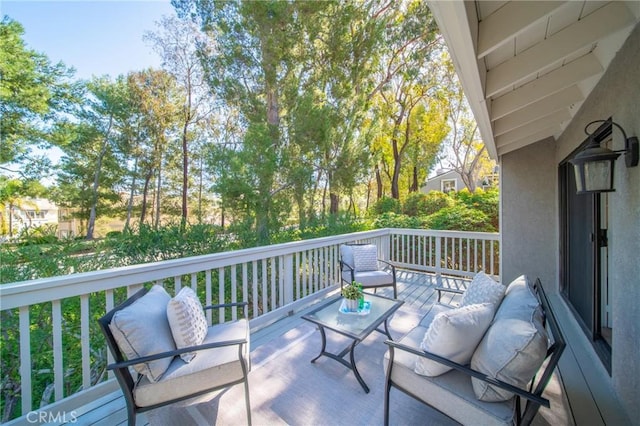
416	289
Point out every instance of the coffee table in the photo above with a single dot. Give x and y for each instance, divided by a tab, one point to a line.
352	325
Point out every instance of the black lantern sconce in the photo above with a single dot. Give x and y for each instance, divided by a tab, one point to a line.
594	165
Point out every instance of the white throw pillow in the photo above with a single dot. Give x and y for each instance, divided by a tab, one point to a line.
512	351
454	334
365	258
142	329
483	289
187	321
346	254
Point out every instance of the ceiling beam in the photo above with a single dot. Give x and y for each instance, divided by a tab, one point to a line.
549	120
536	137
588	30
510	20
558	79
557	101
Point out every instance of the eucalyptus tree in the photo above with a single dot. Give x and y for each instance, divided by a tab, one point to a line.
177	42
91	167
155	98
465	152
408	80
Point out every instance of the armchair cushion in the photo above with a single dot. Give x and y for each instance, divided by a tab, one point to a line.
346	255
187	321
213	367
515	345
142	329
483	289
454	334
365	258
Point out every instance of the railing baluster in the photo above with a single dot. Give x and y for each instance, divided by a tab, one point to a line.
194	282
221	285
84	338
58	373
25	360
254	292
208	293
245	286
265	306
234	292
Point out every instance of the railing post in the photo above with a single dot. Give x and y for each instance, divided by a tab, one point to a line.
288	279
385	244
438	264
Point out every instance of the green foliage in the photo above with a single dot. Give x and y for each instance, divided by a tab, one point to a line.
487	202
32	91
394	220
459	218
421	204
387	205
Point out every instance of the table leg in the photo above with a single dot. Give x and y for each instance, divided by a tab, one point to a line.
355	369
324	344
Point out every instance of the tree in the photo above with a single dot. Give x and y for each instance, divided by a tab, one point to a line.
154	95
91	148
405	87
177	42
466	154
32	92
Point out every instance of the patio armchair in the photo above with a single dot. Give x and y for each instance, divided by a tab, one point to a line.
360	263
172	352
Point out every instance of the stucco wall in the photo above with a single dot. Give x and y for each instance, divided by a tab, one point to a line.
617	95
528	219
530	216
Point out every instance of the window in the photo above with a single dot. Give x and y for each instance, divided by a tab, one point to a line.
448	185
39	214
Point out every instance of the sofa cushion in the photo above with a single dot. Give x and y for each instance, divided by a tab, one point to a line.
454	334
187	321
211	368
365	258
142	329
437	307
520	302
483	289
451	392
512	350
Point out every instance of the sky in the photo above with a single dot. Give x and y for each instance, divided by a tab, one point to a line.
94	37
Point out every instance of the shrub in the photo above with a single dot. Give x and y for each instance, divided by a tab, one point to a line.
435	201
414	204
393	220
487	202
387	205
459	218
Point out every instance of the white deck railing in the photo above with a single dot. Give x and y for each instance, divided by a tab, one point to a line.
276	280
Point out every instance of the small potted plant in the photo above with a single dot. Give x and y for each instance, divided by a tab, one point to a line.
352	293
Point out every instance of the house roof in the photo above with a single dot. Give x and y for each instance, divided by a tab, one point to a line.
527	66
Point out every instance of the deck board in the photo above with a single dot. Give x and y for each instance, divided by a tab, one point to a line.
415	288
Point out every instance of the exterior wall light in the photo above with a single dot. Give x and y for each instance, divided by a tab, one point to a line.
594	165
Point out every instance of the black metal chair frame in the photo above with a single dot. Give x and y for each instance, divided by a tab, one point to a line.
344	267
127	383
533	397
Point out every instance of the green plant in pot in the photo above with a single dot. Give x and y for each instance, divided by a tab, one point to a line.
352	293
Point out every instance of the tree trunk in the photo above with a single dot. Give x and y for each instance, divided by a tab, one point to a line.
414	180
379	183
185	171
127	223
156	223
96	182
145	194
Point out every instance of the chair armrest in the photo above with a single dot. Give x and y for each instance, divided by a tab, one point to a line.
171	354
447	290
386	262
468	371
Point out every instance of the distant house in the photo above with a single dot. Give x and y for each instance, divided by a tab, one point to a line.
37	212
451	180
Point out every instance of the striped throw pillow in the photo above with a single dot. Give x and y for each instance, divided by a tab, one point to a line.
187	321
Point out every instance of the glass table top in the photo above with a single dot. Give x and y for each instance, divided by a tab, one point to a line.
351	324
